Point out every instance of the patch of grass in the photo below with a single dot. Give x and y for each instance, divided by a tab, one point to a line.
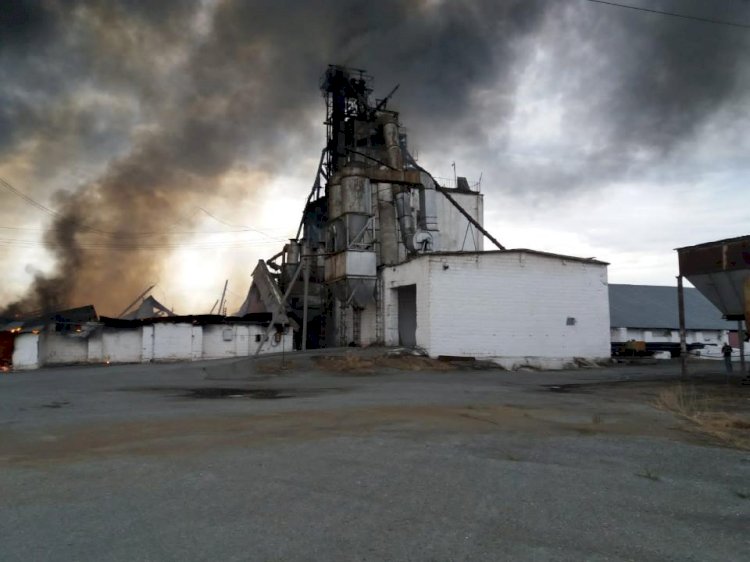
742	494
350	364
649	475
275	367
512	457
708	414
355	364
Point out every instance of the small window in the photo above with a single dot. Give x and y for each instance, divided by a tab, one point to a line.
257	338
570	321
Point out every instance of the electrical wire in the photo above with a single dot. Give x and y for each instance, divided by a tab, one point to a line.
172	233
132	234
672	14
12	243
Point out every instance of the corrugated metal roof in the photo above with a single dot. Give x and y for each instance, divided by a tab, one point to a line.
650	306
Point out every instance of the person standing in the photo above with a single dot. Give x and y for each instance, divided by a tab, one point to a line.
726	350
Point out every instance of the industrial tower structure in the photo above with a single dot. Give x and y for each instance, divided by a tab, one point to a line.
386	255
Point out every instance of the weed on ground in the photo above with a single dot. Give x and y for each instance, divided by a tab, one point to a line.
722	412
358	365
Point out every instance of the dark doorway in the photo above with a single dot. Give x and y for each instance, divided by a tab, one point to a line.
7	342
407	315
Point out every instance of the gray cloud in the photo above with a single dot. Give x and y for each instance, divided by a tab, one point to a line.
184	101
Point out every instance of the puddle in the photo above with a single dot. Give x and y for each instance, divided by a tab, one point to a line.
564	388
229	393
55	404
255	393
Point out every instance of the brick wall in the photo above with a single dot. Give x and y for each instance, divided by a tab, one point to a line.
518	304
513	305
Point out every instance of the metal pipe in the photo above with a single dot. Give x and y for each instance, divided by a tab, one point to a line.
395	155
387	225
405	219
315	189
306	285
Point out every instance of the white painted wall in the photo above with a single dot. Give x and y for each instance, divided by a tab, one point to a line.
216	345
157	342
95	352
26	351
511	307
414	272
122	345
58	348
147	344
196	343
173	342
668	335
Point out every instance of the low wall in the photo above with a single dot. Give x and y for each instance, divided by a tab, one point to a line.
155	342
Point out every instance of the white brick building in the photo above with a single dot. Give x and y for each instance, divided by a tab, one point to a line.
517	307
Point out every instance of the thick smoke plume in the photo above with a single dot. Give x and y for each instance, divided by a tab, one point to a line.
158	101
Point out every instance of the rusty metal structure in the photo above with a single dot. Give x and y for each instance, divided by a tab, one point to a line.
370	206
721	271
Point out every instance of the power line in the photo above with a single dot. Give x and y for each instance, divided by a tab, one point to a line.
28	199
673	14
155	234
15	242
132	234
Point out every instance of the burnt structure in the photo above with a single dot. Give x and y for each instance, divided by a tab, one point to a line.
371	206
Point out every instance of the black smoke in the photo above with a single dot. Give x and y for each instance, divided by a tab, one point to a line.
157	101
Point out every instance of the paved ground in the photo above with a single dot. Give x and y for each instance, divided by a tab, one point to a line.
229	461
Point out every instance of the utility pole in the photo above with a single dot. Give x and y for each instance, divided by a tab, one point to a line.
683	342
741	334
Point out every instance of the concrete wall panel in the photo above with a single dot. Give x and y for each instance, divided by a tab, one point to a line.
26	351
219	340
122	346
57	348
173	342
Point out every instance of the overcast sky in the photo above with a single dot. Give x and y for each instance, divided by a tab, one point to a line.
175	142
